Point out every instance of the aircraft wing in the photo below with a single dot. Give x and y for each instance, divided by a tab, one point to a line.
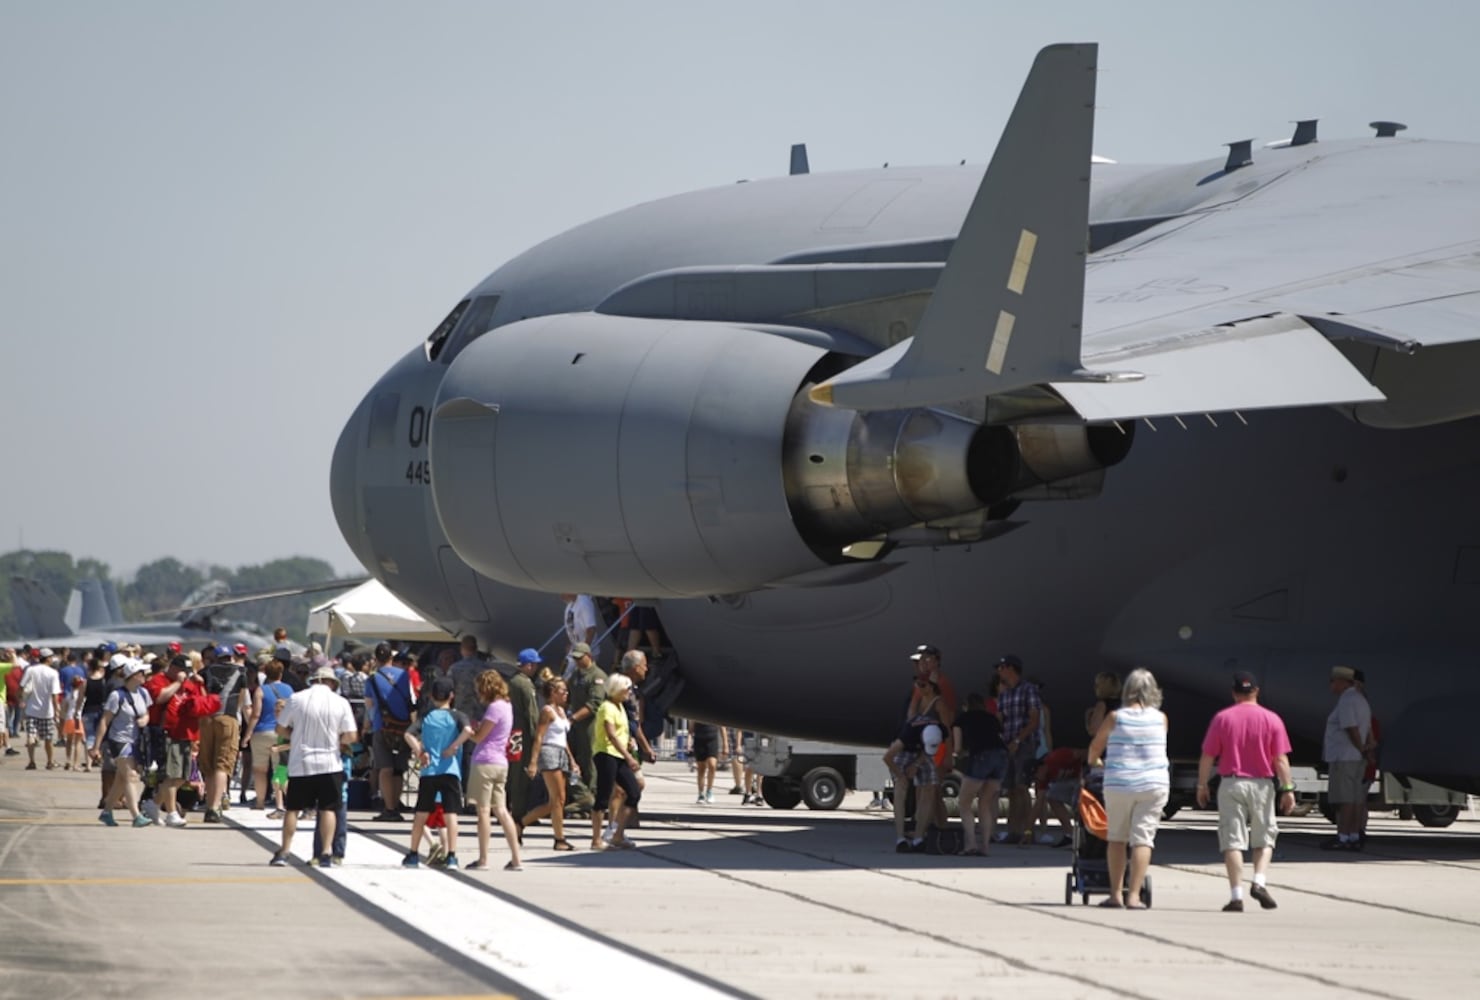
1231	308
88	640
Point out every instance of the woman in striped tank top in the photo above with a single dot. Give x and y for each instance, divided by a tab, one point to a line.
1133	743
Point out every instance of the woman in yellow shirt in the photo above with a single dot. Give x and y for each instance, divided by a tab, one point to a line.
615	765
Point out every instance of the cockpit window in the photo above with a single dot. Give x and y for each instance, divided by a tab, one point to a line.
444	330
476	321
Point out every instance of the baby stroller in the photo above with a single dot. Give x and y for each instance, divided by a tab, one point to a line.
1089	871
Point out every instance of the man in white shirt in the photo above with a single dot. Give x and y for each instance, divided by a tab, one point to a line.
41	691
1346	745
320	726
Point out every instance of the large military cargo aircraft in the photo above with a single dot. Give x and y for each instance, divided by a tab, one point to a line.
1198	417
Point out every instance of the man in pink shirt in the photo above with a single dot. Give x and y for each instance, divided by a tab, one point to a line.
1251	748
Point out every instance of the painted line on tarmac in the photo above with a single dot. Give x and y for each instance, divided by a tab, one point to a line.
489	934
162	880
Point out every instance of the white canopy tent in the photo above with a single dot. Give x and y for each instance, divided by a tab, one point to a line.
371	610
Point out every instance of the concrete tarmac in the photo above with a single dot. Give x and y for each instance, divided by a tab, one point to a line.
718	899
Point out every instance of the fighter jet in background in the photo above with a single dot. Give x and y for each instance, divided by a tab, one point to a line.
92	616
1199	417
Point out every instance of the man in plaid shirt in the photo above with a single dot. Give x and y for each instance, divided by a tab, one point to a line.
1019	706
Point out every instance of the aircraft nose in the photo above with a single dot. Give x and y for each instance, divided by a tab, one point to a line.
344	480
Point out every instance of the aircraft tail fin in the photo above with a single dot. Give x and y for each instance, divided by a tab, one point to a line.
94	612
110	595
38	611
1007	311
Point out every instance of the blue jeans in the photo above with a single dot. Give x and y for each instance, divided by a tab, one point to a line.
341	833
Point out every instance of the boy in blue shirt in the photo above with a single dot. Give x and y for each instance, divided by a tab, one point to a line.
435	741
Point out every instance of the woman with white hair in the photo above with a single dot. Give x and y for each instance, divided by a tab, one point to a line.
615	765
1133	743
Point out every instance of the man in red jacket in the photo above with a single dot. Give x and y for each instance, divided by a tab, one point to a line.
188	702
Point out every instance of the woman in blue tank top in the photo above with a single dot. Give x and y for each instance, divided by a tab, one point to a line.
264	733
1138	779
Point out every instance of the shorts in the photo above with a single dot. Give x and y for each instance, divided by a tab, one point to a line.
44	730
177	760
1022	767
262	744
487	784
706	744
1246	814
446	785
220	739
1134	816
1064	790
924	774
642	618
90	719
387	751
554	758
1345	785
323	792
986	765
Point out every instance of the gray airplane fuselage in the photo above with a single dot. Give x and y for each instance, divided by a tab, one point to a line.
1298	540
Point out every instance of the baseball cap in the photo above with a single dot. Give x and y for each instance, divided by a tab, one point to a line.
931	736
45	652
1343	674
133	667
240	649
284	653
149	657
174	647
580	649
223	650
1244	682
1010	660
441	688
530	655
111	647
117	661
924	651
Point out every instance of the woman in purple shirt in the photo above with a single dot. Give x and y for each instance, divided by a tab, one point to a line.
490	770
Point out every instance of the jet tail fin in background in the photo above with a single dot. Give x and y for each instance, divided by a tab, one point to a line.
38	611
1006	313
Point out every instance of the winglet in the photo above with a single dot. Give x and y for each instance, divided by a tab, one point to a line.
1007	310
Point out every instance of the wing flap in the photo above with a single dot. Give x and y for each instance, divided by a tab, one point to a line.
1263	363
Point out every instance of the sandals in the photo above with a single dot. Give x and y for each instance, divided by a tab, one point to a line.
512	867
1111	903
971	852
564	845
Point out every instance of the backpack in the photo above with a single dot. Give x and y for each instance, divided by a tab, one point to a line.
395	700
225	680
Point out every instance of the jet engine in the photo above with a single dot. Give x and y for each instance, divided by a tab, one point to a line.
605	454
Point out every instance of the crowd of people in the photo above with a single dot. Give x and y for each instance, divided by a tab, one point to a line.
1000	745
165	732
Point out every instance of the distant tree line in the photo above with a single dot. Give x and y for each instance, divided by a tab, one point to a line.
165	583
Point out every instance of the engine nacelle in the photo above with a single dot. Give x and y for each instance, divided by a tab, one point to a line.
603	454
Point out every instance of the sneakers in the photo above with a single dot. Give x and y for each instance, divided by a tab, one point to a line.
700	799
326	861
142	820
411	860
337	860
387	816
480	866
106	818
901	846
279	860
709	795
211	816
450	862
737	790
31	766
1257	891
174	820
1234	906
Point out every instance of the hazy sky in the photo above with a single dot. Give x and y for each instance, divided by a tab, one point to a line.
220	223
